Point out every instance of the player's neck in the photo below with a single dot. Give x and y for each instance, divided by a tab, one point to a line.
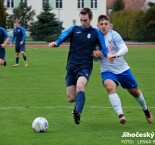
85	27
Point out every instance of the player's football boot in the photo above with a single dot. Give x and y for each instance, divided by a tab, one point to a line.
16	65
122	119
148	116
25	64
76	116
4	63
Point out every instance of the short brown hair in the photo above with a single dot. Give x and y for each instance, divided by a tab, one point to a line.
86	11
105	17
17	21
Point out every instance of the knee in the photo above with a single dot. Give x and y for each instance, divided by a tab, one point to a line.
22	52
110	89
17	54
135	92
1	62
80	87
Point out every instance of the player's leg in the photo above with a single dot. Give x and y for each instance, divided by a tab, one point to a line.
71	93
23	52
25	58
71	81
71	86
17	51
82	77
137	94
128	82
1	61
17	60
2	57
110	82
80	98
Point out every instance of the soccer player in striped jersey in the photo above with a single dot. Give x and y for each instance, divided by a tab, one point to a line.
83	39
3	35
118	72
20	34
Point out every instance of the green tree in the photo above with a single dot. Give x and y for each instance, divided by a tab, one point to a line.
151	4
23	13
2	14
118	5
144	26
47	27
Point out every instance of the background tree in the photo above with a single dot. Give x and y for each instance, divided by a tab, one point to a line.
23	13
47	27
144	26
151	4
118	5
2	14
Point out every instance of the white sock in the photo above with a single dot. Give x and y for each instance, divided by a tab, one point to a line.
141	101
116	103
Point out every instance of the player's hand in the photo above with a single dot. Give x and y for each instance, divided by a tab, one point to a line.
21	43
52	44
111	56
116	55
3	45
97	54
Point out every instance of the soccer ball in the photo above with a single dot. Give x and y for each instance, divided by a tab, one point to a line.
40	124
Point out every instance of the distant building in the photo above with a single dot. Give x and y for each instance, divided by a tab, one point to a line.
66	11
146	4
129	5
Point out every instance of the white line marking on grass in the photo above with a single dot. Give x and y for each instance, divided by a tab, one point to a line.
68	107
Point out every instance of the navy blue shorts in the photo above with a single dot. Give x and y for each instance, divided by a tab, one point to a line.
72	76
126	79
20	48
2	53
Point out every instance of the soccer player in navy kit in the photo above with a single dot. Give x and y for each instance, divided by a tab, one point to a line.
20	34
3	42
83	40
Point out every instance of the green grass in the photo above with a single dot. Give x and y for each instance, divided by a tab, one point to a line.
39	90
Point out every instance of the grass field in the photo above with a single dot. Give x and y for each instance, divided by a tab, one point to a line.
39	90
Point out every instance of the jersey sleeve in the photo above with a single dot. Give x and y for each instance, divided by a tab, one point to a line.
24	33
119	42
64	36
5	33
102	43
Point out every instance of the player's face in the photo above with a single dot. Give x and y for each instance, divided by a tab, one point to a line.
85	21
104	26
16	24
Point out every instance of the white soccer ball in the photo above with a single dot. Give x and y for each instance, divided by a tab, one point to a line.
40	124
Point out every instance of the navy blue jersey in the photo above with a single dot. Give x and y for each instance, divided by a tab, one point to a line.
20	35
82	44
3	35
